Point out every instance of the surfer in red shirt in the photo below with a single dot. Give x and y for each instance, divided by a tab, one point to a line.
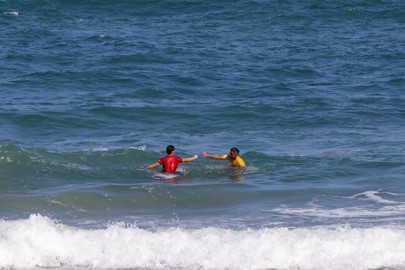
170	162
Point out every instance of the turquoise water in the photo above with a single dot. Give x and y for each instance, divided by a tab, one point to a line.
312	93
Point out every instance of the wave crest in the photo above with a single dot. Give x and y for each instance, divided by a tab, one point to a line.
47	243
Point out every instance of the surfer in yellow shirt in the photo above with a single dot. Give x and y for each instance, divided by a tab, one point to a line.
233	157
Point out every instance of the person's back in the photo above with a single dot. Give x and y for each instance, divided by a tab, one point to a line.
170	163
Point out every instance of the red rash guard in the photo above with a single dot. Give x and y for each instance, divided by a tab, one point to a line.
170	163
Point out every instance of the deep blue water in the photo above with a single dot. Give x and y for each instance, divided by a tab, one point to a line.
311	92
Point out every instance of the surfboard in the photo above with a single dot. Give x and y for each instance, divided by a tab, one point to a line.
163	176
166	175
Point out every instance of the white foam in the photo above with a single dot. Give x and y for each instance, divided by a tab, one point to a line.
141	147
374	196
380	208
97	149
339	213
41	242
11	13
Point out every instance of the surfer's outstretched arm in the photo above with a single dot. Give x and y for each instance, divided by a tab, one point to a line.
213	156
190	158
154	165
233	157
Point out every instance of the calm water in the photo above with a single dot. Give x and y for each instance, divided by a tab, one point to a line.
312	93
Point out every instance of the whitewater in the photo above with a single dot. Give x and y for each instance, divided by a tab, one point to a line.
41	242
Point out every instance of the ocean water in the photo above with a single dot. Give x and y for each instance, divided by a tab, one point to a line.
311	92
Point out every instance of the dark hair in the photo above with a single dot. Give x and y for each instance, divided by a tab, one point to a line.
169	149
234	149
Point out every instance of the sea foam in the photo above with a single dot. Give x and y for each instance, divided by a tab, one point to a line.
11	13
42	242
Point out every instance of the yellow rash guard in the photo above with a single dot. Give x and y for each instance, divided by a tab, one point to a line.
237	162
